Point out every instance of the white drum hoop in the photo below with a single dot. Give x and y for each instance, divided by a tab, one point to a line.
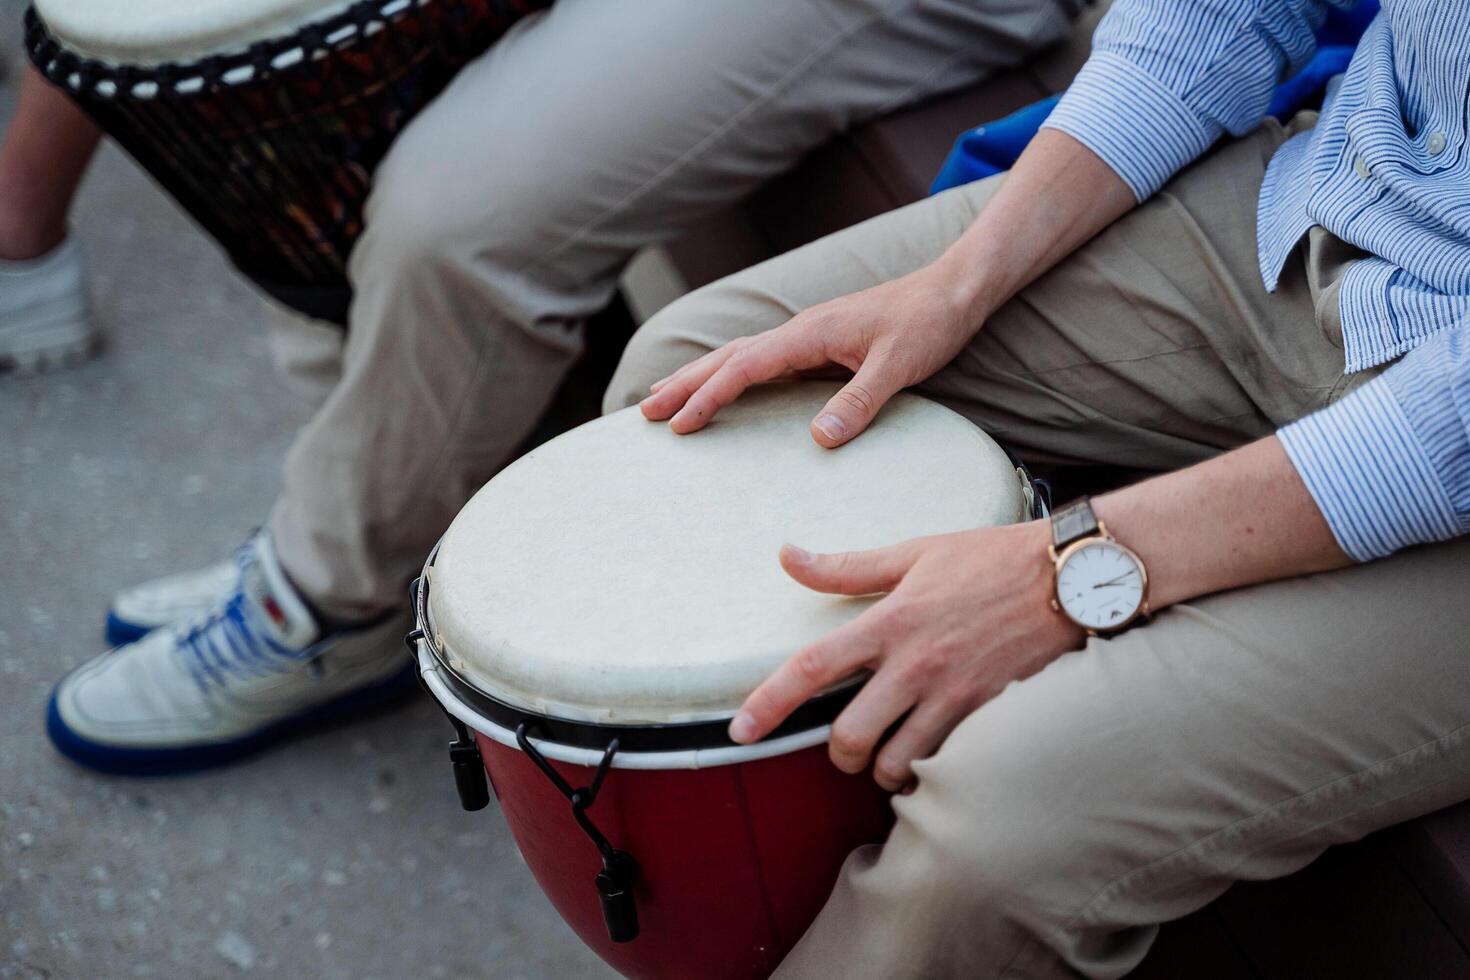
429	668
457	697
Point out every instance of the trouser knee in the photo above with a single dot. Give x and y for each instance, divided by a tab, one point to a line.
655	351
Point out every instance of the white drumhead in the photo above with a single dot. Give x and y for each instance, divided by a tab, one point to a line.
157	31
623	574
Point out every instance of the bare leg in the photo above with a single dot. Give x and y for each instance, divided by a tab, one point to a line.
46	150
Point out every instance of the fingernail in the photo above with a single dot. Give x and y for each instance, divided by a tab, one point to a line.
742	729
798	554
831	426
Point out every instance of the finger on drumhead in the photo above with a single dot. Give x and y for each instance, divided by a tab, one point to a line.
917	738
858	730
766	359
850	572
703	365
674	390
839	654
851	410
653	389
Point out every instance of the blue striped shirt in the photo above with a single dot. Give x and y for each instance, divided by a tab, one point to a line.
1385	169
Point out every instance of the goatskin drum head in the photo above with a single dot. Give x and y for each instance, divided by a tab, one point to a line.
622	574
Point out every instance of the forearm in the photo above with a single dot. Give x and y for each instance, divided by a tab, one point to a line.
1239	519
1058	195
1235	520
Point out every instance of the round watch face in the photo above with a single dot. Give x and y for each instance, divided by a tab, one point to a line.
1100	585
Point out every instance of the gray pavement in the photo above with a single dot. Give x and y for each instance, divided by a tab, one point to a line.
343	855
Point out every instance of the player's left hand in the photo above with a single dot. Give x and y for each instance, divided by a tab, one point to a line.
965	615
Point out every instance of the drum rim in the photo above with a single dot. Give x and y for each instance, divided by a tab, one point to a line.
635	737
193	75
431	675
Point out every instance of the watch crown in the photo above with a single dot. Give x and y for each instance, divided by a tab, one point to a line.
1056	606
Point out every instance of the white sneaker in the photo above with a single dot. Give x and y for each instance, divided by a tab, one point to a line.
252	671
45	319
138	611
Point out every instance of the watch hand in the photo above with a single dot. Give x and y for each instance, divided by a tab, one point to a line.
1112	581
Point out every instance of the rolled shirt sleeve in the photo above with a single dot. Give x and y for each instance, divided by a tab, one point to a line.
1389	465
1166	79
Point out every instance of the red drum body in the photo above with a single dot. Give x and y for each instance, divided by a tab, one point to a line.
734	862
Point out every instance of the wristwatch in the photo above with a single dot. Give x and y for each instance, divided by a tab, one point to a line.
1101	585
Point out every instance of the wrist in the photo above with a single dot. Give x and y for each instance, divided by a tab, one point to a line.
1033	575
1131	523
969	284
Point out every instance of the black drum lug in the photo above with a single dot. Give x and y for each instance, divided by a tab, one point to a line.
469	771
615	888
464	753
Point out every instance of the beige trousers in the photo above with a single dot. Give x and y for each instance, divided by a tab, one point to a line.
1233	737
504	214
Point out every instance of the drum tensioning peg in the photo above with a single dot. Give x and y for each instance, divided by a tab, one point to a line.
469	771
615	888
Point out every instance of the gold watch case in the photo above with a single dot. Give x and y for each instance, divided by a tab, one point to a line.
1060	558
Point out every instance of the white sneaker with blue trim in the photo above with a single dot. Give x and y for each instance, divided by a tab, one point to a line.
177	598
251	671
45	319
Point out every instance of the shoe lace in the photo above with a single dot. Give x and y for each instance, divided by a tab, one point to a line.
222	644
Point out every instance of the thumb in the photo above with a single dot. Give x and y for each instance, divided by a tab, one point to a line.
850	572
851	410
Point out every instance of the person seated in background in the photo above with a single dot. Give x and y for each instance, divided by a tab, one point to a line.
499	221
44	316
1277	325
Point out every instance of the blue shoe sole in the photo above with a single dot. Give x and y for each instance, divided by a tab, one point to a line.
119	761
119	632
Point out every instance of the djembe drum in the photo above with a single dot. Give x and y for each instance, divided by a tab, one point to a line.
265	119
596	614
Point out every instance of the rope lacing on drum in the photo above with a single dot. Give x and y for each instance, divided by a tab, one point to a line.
364	16
313	40
260	55
212	71
167	77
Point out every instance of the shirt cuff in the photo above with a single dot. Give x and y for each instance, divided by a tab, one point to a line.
1370	475
1139	128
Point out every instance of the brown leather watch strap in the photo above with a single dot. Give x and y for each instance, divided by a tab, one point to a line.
1073	522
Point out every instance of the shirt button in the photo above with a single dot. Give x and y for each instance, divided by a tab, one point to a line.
1435	144
1361	167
